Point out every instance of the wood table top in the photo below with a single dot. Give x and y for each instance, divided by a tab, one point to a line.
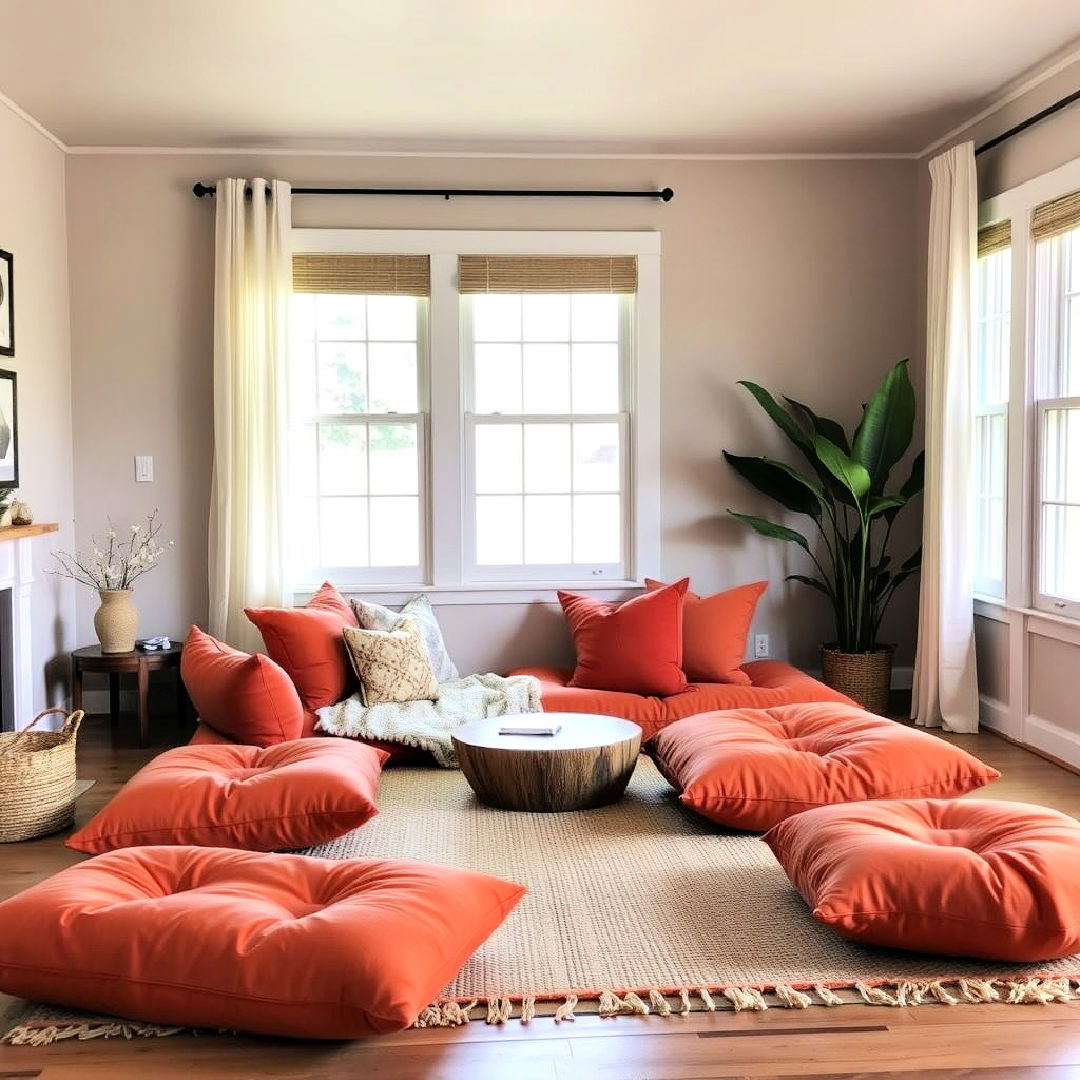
578	731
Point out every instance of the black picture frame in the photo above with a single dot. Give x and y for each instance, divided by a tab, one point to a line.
7	303
9	430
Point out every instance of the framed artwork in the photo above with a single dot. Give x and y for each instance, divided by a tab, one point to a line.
9	431
7	304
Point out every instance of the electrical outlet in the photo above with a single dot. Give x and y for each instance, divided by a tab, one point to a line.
144	469
761	645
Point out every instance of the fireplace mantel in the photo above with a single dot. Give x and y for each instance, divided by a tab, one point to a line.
24	532
17	679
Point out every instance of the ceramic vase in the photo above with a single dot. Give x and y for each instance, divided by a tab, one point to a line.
116	621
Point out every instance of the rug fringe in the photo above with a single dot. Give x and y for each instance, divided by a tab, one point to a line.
662	1001
45	1035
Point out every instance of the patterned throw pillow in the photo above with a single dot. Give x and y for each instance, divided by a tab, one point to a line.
376	617
392	665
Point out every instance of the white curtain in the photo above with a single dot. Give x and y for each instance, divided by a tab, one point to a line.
252	286
945	689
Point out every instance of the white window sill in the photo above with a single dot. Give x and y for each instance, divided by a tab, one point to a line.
496	592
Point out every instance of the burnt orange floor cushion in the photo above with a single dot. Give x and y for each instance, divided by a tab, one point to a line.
769	683
273	944
751	768
291	795
958	877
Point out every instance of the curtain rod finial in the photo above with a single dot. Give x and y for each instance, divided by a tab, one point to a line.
667	195
199	189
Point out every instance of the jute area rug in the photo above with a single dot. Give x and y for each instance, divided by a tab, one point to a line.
637	907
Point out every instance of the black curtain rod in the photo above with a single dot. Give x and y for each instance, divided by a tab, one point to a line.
664	195
1031	121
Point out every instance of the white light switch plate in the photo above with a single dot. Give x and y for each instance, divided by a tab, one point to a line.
144	468
761	645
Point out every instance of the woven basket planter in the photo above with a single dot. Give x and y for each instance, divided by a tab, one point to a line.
864	677
37	779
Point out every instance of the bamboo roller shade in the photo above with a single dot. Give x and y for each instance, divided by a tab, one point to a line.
547	273
996	237
1056	216
379	275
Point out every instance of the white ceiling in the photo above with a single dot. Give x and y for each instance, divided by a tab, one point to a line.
645	76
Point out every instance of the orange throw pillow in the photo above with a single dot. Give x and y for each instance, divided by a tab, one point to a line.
292	795
273	944
714	632
635	647
751	768
307	642
247	697
958	877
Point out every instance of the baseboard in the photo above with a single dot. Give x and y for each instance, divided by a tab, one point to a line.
995	715
1053	740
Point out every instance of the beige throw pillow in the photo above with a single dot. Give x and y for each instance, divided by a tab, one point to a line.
392	665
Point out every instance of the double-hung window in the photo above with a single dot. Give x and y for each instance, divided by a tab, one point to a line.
990	400
358	418
1056	232
547	353
473	411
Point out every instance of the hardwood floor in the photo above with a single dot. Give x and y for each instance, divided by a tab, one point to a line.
985	1042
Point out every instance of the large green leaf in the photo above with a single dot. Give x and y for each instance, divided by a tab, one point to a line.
786	485
813	582
822	425
881	504
912	486
851	473
779	416
884	433
772	530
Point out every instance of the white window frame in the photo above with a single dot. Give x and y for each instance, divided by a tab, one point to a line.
444	473
991	587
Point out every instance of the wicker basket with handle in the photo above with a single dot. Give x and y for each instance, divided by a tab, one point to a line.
37	778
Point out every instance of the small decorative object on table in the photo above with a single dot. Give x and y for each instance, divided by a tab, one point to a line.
37	778
112	567
844	496
21	514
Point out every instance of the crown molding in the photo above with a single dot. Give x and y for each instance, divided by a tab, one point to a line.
40	128
284	151
1011	92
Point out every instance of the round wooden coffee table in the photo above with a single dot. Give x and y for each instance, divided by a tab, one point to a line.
587	764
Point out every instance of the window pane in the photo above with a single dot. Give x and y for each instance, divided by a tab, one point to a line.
498	378
498	459
1061	456
395	531
594	317
1060	567
596	457
342	459
340	318
595	378
499	530
547	458
391	318
1071	243
303	533
302	355
394	463
343	532
545	318
548	529
1071	358
597	529
392	369
496	317
342	378
546	378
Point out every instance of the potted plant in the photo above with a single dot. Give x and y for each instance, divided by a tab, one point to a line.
111	568
844	496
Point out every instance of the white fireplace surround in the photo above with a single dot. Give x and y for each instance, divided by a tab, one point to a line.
16	574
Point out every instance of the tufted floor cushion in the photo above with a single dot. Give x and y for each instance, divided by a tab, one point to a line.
960	877
751	768
274	944
291	795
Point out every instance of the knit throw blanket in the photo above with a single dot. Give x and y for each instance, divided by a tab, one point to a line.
429	724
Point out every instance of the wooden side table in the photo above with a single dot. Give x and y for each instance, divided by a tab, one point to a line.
139	663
